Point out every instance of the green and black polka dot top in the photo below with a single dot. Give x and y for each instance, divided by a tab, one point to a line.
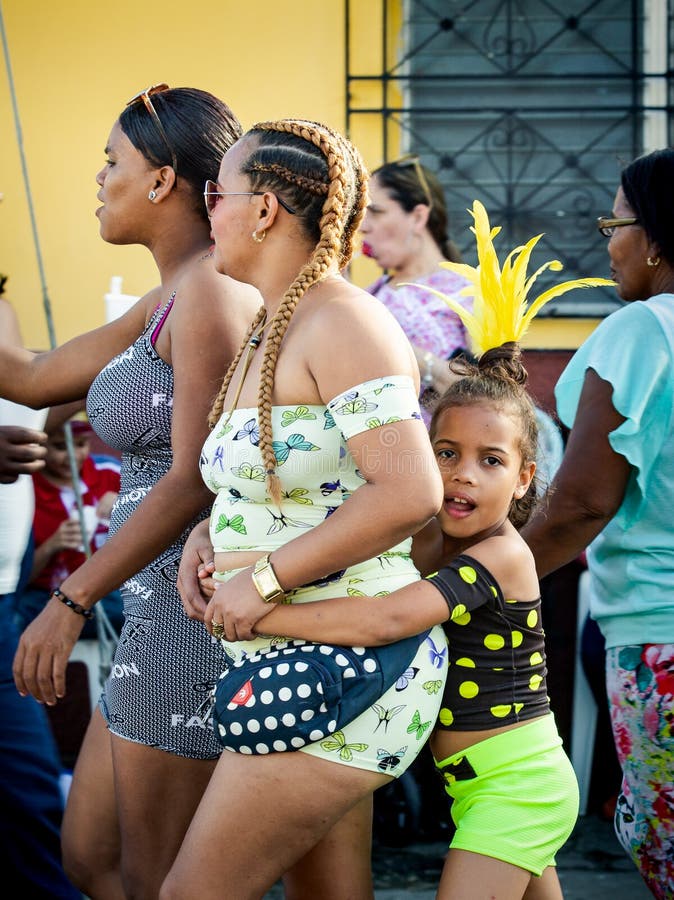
497	665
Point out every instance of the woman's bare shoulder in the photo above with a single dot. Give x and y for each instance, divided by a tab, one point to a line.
347	318
213	301
340	298
151	300
346	352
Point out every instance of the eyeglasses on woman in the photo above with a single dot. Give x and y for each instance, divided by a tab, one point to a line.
608	226
212	197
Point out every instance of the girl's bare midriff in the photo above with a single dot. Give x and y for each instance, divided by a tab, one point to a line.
447	743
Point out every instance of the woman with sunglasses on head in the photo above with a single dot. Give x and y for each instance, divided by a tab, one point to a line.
149	378
405	230
614	494
317	424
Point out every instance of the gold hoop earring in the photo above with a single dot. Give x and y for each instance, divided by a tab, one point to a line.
259	237
653	261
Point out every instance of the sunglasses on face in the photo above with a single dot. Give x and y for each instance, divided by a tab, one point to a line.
212	197
608	226
146	97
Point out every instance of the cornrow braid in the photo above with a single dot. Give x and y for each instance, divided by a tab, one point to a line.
361	175
307	184
336	212
219	402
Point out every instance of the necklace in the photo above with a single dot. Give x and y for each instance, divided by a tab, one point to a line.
253	343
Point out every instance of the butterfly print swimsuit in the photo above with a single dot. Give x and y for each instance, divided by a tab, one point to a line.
318	474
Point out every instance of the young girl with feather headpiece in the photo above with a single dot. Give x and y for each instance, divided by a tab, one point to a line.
495	743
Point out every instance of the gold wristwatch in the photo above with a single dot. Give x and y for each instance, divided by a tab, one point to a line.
266	582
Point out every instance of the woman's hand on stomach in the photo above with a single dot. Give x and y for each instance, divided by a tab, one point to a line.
237	605
195	585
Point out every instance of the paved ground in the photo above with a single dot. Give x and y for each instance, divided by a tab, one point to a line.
592	866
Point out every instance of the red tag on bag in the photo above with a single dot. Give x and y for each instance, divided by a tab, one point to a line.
243	695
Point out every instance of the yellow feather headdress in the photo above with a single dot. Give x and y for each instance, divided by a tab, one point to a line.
500	310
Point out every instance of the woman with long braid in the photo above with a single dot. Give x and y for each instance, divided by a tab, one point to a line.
323	470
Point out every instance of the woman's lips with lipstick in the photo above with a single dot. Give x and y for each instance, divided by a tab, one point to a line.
367	250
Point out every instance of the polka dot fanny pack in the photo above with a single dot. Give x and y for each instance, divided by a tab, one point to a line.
297	692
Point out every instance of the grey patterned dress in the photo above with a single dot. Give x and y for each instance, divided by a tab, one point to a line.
165	665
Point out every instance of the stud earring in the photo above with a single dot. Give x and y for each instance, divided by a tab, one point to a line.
152	195
259	237
653	261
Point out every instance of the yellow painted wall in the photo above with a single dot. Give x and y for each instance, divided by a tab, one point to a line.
558	334
76	62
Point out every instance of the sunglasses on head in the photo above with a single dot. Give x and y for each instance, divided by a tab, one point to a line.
412	159
146	97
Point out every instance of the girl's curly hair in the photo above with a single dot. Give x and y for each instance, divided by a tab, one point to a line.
499	378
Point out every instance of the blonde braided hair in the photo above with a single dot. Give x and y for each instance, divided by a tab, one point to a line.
291	177
362	199
330	205
219	402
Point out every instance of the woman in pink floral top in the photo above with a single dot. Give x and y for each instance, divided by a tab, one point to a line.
405	230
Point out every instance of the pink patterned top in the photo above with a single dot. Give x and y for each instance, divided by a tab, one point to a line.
426	320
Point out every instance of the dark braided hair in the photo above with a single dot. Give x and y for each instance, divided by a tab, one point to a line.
498	378
322	177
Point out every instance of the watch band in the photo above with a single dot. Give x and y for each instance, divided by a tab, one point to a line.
265	581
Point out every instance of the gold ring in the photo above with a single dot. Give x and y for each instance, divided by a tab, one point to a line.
217	629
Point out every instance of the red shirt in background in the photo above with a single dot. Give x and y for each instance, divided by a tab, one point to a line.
54	504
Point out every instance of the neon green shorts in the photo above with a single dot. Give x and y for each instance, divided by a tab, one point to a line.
515	796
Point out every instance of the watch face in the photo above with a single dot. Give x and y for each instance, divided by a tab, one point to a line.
266	582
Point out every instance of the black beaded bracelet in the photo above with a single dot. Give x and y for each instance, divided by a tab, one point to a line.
80	610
